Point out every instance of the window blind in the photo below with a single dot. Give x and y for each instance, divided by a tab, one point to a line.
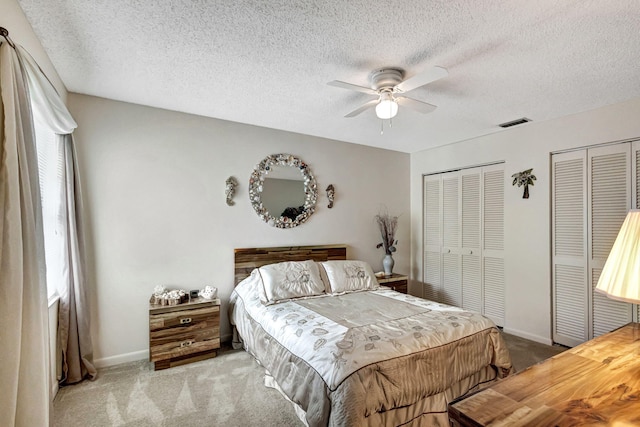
51	176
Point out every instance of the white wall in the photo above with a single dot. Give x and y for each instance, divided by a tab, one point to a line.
154	181
527	221
20	31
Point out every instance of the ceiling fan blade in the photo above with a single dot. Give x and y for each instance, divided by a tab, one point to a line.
428	76
363	107
345	85
414	104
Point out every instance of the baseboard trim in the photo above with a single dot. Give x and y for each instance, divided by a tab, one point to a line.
528	336
134	356
104	362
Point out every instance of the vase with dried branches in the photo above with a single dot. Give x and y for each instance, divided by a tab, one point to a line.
388	225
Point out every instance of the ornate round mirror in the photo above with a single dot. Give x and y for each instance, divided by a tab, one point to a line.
283	190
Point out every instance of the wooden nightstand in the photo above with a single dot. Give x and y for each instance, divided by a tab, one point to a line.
595	383
183	333
397	282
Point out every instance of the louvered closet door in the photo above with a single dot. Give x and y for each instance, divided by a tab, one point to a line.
493	243
610	200
451	251
569	248
635	190
611	177
470	251
432	272
464	240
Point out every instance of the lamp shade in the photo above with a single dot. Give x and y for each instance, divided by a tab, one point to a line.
620	277
387	107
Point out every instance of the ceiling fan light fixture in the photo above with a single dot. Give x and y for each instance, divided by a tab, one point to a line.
387	108
387	82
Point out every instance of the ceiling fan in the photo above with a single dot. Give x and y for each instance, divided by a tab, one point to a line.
390	88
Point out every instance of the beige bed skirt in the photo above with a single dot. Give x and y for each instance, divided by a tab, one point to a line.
428	412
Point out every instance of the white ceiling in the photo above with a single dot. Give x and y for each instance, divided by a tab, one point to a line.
267	63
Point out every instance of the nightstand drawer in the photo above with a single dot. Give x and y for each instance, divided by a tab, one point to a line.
399	287
183	333
182	319
183	346
397	282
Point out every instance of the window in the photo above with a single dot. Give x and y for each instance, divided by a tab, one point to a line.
51	173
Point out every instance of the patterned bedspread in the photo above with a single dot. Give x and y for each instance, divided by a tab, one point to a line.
368	358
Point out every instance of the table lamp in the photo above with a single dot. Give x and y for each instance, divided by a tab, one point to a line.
620	278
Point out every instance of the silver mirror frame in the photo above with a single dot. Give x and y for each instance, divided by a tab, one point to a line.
256	182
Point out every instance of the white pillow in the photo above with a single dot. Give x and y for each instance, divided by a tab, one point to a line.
291	279
350	276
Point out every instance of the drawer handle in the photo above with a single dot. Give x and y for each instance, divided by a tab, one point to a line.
185	320
185	344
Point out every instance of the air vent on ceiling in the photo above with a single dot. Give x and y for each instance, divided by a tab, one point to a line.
514	122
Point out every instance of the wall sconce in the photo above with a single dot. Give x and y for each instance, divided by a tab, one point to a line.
230	190
330	195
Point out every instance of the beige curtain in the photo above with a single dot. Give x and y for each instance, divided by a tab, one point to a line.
24	394
74	334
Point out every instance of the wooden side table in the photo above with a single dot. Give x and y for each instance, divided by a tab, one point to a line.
596	383
397	282
183	333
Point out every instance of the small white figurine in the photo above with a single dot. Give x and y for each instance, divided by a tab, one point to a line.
209	292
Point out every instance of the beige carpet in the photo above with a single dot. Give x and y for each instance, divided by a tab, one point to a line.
525	353
225	391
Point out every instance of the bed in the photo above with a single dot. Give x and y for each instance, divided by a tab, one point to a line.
348	352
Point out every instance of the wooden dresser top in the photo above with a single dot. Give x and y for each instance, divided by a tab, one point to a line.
395	277
594	384
190	305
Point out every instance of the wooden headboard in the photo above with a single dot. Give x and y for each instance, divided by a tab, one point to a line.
247	259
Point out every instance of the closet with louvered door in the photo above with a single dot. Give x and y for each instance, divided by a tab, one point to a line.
590	199
609	177
432	238
635	189
463	260
493	243
451	233
569	247
470	239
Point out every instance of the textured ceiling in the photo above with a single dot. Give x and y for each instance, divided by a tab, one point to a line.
267	63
